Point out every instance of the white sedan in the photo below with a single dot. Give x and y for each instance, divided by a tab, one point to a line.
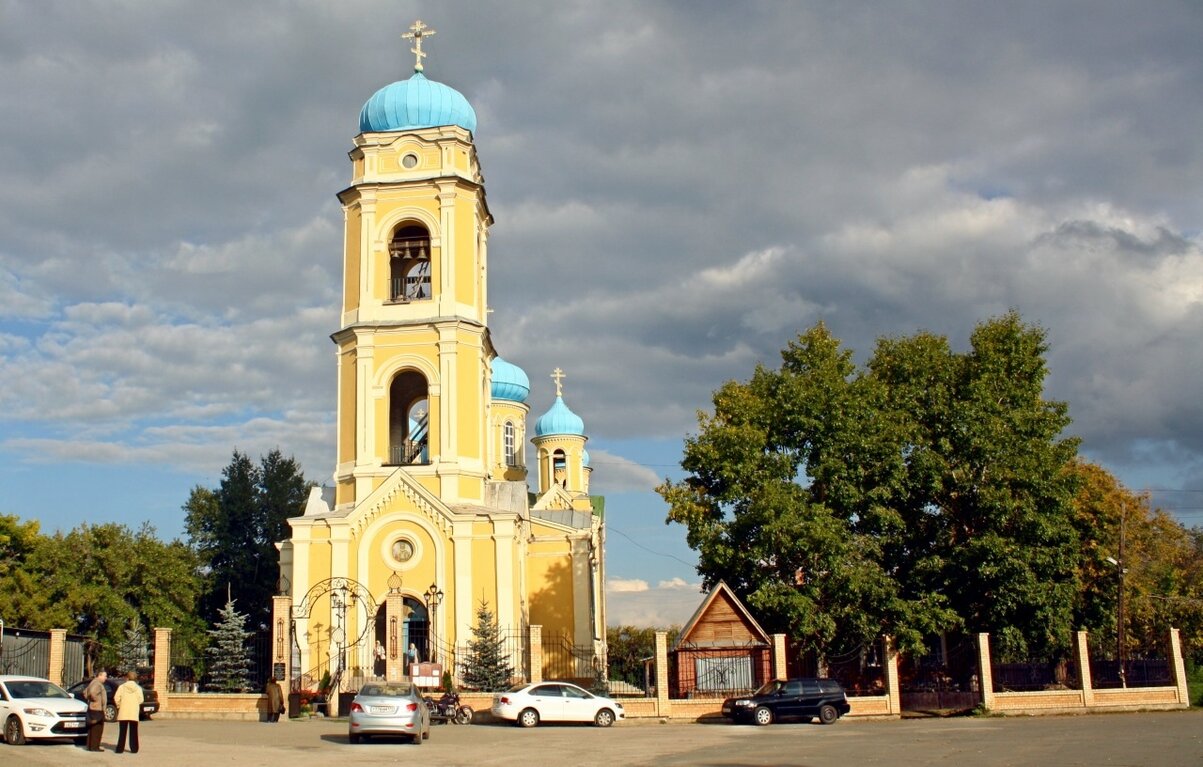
528	704
34	708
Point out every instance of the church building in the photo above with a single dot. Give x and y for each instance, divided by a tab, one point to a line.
431	515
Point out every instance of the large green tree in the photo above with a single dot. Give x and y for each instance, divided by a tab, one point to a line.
234	530
926	491
101	581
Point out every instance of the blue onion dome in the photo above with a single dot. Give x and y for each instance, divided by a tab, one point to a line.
585	458
559	420
509	381
416	103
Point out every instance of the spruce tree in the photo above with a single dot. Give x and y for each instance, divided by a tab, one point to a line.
487	666
133	648
229	661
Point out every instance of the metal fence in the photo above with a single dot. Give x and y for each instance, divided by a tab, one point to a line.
717	672
191	671
23	651
860	670
27	651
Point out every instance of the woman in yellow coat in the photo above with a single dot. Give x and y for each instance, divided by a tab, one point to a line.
129	707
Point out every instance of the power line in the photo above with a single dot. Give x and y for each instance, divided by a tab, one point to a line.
650	551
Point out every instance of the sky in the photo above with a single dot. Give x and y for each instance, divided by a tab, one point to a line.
679	189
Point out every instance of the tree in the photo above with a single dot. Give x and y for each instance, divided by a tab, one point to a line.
229	659
133	652
234	530
487	665
924	492
99	580
627	647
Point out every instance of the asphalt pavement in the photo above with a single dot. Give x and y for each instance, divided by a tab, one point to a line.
1160	739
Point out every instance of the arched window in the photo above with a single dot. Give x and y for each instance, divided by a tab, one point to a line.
408	420
511	447
559	468
409	264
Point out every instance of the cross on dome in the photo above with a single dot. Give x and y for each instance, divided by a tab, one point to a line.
418	30
558	376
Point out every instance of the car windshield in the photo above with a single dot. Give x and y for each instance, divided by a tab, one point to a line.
518	687
36	689
769	688
387	690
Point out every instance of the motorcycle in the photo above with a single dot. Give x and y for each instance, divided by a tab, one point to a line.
448	709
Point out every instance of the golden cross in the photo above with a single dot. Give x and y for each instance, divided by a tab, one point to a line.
558	376
417	31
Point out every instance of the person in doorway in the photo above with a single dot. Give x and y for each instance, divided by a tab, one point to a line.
380	660
97	698
413	654
275	699
129	707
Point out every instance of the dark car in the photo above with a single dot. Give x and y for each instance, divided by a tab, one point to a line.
150	698
790	699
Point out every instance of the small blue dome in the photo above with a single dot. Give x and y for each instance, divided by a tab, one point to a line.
416	103
509	381
559	420
585	458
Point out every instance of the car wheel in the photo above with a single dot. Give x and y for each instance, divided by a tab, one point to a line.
418	738
353	738
13	732
762	716
828	715
463	715
604	718
110	712
528	717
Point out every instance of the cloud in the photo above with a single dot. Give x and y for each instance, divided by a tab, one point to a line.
631	602
666	218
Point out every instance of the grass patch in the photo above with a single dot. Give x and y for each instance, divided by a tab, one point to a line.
1195	692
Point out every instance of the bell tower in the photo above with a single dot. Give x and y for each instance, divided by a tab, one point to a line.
413	346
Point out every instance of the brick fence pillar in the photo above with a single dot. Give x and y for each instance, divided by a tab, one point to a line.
779	666
1178	667
396	654
282	641
58	656
1082	653
663	706
536	653
162	666
889	668
987	670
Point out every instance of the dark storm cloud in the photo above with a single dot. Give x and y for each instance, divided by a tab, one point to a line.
679	189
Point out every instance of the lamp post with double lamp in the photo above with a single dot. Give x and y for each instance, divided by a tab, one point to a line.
433	598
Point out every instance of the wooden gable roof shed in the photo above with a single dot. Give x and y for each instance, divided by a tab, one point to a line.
722	649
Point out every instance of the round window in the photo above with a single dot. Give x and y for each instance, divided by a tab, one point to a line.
409	161
402	550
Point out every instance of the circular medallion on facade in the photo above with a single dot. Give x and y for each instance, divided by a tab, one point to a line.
402	550
409	161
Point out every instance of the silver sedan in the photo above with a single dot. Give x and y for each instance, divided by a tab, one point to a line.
389	708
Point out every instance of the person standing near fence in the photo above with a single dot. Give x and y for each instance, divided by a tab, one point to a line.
128	698
275	699
97	697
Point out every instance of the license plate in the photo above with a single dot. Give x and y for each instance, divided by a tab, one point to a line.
73	725
382	709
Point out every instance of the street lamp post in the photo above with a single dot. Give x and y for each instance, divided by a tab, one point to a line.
1120	643
433	598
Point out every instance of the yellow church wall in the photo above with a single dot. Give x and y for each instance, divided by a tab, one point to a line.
549	586
348	359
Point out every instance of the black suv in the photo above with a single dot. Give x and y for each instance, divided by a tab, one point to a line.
150	698
793	698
